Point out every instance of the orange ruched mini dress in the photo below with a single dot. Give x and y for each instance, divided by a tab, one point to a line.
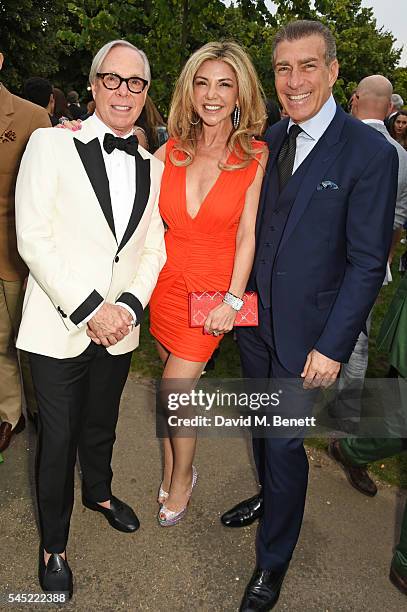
200	253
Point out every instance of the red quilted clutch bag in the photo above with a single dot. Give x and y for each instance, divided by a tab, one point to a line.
201	302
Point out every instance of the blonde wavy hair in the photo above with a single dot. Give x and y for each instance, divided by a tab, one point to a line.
251	102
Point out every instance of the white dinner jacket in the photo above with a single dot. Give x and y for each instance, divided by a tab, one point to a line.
66	236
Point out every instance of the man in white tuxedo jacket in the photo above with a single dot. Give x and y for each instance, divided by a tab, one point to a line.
90	232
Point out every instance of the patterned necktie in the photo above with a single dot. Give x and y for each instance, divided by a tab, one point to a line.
128	145
286	157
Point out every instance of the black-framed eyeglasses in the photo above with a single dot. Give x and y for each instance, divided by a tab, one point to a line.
111	80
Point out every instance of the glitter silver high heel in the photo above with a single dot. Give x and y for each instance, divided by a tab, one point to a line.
162	495
168	518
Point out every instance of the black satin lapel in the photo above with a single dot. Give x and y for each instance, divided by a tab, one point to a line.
92	159
143	182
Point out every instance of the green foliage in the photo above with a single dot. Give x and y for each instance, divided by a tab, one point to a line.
400	83
58	39
28	39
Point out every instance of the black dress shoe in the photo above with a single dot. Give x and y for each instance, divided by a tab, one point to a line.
263	590
6	432
244	513
357	476
399	581
119	515
56	576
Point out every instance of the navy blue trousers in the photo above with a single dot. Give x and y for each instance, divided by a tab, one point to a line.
281	462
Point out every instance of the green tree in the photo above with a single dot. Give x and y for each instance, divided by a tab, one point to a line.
28	39
168	31
58	39
399	81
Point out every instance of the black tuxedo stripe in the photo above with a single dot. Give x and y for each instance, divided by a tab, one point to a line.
134	304
87	306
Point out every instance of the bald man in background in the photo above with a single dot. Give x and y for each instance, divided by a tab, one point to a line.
370	103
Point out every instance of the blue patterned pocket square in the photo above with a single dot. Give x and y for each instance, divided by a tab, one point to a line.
327	185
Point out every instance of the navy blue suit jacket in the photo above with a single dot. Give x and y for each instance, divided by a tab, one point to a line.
326	273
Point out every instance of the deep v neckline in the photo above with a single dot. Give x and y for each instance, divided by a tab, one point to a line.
212	188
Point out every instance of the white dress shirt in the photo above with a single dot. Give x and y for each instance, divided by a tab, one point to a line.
121	174
312	131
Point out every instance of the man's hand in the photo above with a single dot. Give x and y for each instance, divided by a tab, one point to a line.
109	325
319	371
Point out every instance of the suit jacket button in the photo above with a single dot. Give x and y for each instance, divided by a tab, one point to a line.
272	228
117	258
277	210
268	244
61	312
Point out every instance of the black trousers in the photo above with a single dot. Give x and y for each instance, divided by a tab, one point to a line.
281	460
78	402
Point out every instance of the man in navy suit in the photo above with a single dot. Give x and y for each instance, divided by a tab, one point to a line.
324	232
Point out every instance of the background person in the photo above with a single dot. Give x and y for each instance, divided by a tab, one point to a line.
398	128
75	107
18	120
40	91
397	104
371	103
61	107
153	131
354	455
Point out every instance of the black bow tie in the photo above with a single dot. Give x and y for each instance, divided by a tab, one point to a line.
128	145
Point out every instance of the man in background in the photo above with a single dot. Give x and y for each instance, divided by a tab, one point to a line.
39	91
397	104
76	109
370	103
18	120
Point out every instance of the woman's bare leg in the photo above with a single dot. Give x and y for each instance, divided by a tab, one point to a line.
182	449
167	448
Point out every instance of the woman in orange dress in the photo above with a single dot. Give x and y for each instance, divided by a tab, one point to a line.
209	198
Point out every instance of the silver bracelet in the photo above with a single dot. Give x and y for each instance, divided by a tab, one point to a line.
233	301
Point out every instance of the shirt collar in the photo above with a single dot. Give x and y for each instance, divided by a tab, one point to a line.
316	126
101	128
368	121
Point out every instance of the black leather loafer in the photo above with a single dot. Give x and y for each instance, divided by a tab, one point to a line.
56	576
263	591
358	477
244	513
119	515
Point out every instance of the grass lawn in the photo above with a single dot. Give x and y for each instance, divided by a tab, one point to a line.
146	364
